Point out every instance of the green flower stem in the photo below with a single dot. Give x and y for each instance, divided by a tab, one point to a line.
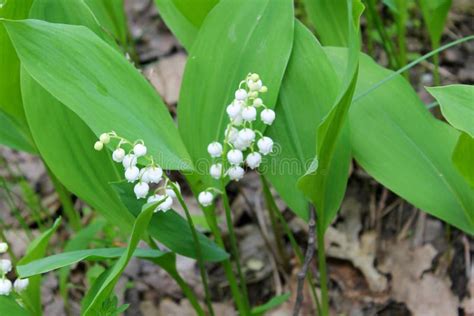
273	208
202	268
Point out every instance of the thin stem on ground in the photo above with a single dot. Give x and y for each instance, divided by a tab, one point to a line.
323	274
294	245
307	260
200	260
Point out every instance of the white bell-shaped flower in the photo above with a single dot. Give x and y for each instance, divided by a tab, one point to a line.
235	157
216	170
118	155
265	145
234	109
235	173
247	135
3	247
231	133
141	190
166	205
20	285
139	150
214	149
253	160
241	144
129	160
5	286
267	116
5	266
132	174
240	94
170	191
152	174
205	198
249	114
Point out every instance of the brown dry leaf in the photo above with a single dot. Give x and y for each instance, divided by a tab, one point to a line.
424	294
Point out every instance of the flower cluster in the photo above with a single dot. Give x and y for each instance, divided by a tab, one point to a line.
240	137
6	285
131	155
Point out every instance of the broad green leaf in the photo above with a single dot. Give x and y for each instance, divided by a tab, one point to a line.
107	285
69	258
274	302
308	91
36	250
398	142
250	36
171	229
316	183
10	95
457	105
8	306
330	19
12	135
184	18
101	86
111	15
463	157
435	13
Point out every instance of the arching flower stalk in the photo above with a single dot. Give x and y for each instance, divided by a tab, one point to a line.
243	145
133	154
6	285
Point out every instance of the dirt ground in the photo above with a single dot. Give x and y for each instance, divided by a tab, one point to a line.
385	256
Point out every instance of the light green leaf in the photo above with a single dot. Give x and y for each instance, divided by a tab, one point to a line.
274	302
457	105
315	184
8	306
308	92
184	18
10	95
330	19
101	86
245	33
463	157
435	13
36	250
69	258
171	229
12	135
107	285
397	141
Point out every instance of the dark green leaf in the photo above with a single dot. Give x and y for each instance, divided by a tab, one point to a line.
463	157
8	306
13	135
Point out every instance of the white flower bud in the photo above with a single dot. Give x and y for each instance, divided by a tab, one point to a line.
233	110
20	284
104	138
254	85
241	94
3	247
118	155
205	198
216	170
5	266
249	114
247	135
141	189
139	150
253	160
235	156
129	160
265	145
263	89
254	77
235	173
214	149
152	174
5	286
267	116
132	174
257	102
170	191
98	145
